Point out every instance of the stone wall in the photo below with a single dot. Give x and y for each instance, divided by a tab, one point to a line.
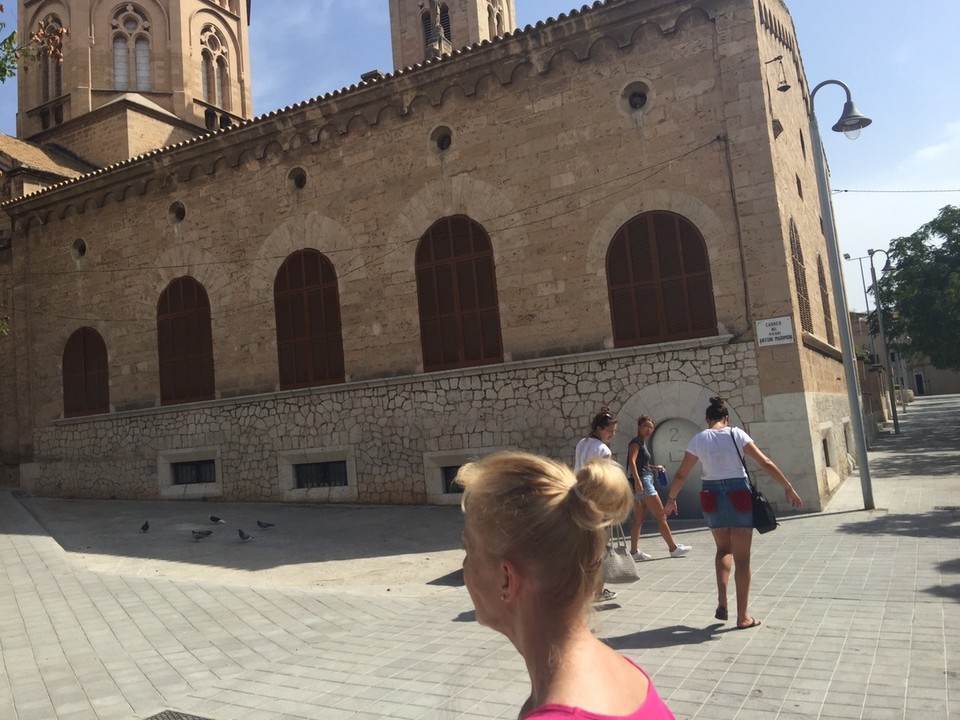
395	433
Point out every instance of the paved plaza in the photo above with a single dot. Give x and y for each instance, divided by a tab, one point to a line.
359	612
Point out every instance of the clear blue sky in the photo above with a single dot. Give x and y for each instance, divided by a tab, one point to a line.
899	60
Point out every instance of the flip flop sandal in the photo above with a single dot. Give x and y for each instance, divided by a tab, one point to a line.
721	613
753	623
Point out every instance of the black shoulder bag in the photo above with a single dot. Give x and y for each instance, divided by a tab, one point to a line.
764	519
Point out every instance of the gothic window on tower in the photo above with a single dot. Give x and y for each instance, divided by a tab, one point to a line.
426	18
215	68
131	49
51	69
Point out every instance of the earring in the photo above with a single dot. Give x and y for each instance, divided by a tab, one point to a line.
503	596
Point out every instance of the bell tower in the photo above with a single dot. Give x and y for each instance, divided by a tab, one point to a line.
135	75
423	29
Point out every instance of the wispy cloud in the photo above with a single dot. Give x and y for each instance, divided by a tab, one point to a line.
949	143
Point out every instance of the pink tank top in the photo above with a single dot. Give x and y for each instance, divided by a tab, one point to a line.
653	708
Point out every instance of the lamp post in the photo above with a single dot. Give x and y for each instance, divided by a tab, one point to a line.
883	337
866	301
850	124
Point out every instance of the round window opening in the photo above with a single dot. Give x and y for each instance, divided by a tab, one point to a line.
442	137
177	213
638	100
297	179
79	249
634	98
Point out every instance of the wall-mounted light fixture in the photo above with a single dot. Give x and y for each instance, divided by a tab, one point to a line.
782	84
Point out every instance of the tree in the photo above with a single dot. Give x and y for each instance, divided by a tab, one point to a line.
921	291
45	42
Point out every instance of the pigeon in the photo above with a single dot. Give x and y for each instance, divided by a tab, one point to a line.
145	526
264	525
243	536
201	534
215	519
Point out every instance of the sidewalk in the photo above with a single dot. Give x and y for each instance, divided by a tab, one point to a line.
860	610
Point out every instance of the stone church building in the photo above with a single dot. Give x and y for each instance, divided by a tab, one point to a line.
348	298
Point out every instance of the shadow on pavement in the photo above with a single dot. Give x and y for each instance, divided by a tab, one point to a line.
300	533
938	523
665	637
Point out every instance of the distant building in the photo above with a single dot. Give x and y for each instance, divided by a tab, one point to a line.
349	298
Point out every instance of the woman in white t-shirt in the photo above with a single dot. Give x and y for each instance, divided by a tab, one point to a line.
597	445
726	502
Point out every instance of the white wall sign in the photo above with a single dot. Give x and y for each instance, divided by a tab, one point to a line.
776	331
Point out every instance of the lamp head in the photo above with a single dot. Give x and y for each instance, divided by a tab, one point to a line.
846	256
851	122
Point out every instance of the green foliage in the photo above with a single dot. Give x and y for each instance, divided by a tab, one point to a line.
8	53
44	42
921	291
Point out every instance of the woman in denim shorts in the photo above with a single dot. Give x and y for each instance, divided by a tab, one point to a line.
645	498
726	502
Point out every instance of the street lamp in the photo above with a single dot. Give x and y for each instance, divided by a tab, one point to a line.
883	336
866	301
850	124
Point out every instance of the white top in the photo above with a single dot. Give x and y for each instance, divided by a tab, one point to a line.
716	452
588	449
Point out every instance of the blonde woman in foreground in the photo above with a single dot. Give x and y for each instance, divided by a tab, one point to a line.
534	536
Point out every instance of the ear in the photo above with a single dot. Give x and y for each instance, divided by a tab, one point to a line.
511	581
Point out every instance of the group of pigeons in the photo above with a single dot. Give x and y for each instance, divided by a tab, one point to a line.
201	534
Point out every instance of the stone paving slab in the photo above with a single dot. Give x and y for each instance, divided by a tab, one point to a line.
860	609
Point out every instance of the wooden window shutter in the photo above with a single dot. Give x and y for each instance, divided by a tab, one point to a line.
306	302
658	279
86	377
457	296
825	300
185	343
800	276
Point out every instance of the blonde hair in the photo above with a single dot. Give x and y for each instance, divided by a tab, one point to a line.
537	513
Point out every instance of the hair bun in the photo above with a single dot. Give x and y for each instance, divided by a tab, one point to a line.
716	401
605	409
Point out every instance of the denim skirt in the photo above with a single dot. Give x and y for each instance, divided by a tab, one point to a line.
647	488
727	503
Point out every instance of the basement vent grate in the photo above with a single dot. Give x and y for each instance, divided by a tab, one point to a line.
174	715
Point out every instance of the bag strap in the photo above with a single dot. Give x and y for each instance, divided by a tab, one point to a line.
618	537
737	448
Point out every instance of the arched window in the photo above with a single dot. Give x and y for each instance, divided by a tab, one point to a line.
207	81
800	276
51	69
658	278
307	307
185	343
491	22
825	299
131	49
457	293
86	388
215	64
445	22
427	23
426	19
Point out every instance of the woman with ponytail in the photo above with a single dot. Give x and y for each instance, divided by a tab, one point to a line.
534	537
725	500
597	446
